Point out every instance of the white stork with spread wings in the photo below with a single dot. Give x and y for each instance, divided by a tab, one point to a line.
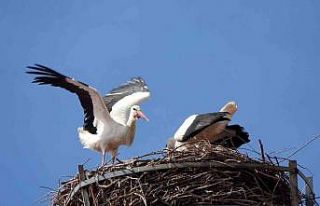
108	122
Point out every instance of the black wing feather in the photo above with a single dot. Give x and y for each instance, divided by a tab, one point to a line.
202	121
47	76
135	84
241	137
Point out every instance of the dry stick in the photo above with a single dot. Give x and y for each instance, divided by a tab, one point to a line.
94	199
262	151
142	197
85	194
270	160
277	161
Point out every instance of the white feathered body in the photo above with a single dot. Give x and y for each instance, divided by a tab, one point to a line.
108	137
108	122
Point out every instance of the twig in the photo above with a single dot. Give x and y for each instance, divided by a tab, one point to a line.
262	151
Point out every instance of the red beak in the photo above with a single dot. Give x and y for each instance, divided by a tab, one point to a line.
141	115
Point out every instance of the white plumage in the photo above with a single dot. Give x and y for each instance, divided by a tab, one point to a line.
180	133
102	131
210	126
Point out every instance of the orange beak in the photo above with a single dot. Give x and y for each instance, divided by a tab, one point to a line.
141	115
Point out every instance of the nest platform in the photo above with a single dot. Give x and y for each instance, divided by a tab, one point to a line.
206	175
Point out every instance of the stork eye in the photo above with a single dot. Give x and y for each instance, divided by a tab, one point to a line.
135	109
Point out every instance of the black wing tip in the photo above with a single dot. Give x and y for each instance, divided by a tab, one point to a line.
240	138
37	66
236	126
32	69
39	69
241	131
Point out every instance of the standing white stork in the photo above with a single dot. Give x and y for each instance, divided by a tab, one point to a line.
210	126
103	131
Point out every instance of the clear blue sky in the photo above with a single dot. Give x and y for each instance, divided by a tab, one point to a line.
195	56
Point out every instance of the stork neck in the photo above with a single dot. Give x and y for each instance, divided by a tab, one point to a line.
131	120
120	116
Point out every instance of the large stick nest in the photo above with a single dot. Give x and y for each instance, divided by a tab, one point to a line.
183	178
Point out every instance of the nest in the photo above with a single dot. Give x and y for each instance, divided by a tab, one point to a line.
204	175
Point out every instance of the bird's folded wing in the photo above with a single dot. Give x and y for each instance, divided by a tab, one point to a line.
199	123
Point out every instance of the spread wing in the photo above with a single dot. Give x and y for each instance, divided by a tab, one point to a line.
91	102
133	91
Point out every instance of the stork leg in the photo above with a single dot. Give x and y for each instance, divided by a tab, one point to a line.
113	156
103	157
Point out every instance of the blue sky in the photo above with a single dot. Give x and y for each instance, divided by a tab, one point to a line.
195	56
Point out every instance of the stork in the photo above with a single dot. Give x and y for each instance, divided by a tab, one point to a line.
212	127
108	122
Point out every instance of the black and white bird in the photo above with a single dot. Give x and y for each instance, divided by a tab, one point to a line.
212	127
108	122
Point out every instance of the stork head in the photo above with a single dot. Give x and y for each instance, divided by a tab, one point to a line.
230	107
137	113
